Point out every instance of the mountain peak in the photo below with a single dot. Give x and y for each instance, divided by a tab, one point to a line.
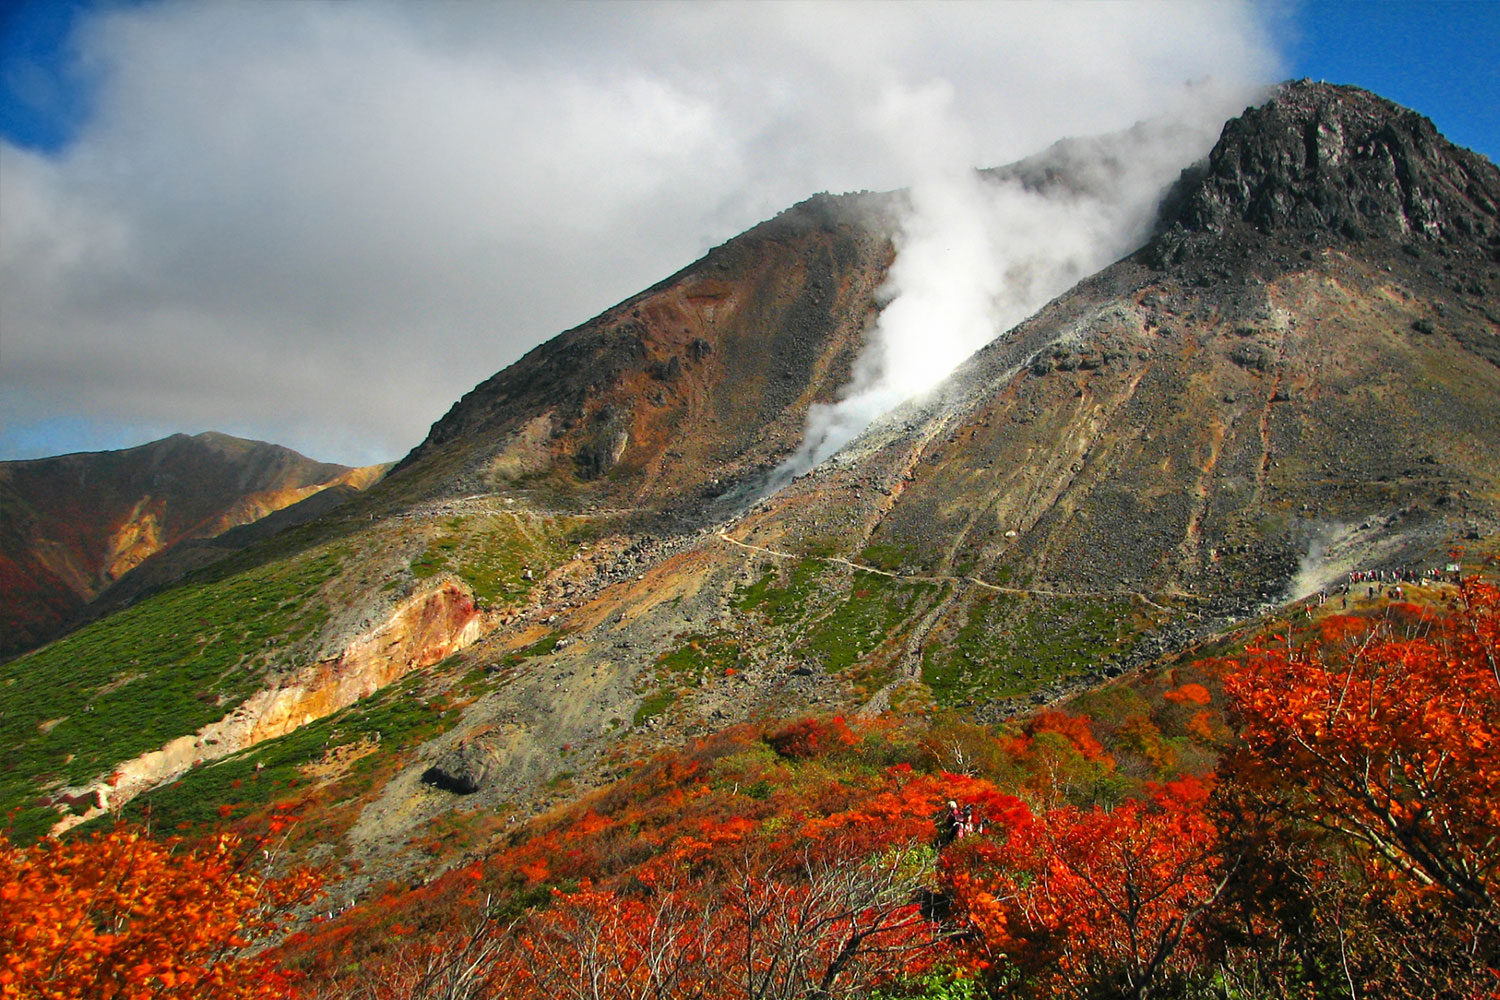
1339	160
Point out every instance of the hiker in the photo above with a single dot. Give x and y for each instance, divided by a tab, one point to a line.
948	822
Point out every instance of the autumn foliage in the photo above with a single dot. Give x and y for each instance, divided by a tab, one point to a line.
1394	745
1367	783
809	738
1084	901
1319	817
120	915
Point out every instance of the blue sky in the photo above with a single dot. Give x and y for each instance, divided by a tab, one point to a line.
1440	57
321	223
42	100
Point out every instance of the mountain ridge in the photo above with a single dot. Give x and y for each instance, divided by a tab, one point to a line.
1323	157
77	523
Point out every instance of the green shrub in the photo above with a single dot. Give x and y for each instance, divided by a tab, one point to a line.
654	704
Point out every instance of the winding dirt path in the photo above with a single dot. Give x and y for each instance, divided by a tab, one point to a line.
722	535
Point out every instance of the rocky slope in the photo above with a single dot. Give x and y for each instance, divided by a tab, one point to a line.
698	381
1236	415
1296	376
75	524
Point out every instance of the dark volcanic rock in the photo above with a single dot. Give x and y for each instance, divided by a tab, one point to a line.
463	770
1341	161
1251	356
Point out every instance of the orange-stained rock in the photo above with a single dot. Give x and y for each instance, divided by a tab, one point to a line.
425	628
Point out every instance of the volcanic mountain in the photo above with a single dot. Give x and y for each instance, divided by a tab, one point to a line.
1298	374
76	524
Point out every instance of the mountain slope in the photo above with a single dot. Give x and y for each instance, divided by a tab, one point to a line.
1289	381
1176	442
74	524
700	380
540	484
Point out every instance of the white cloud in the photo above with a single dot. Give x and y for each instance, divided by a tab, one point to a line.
321	223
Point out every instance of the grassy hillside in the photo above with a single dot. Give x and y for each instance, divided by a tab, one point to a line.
150	673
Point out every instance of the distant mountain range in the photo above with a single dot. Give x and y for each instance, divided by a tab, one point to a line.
74	525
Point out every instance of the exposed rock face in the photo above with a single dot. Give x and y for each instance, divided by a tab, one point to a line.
137	540
1188	439
423	629
75	524
1330	160
173	562
604	443
1196	417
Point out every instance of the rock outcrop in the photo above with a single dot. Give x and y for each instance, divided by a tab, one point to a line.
463	770
1328	161
422	630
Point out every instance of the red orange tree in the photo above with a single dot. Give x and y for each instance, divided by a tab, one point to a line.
1092	902
1369	777
120	915
1392	742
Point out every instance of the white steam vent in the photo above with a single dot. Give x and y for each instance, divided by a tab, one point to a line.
979	251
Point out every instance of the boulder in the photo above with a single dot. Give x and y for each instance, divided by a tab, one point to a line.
463	770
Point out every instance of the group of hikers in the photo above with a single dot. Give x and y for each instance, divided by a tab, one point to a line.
1390	582
1402	574
954	823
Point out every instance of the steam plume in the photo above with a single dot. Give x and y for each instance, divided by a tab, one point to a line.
979	251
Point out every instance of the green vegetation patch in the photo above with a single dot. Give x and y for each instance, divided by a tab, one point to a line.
782	604
843	634
492	552
148	674
544	646
435	559
859	625
1010	646
689	665
698	658
654	704
888	557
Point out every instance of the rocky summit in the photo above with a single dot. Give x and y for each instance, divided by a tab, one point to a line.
1319	159
1295	377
